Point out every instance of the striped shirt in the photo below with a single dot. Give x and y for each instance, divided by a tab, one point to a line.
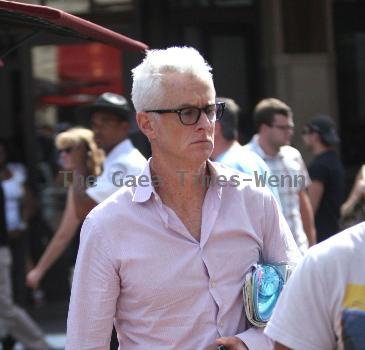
292	176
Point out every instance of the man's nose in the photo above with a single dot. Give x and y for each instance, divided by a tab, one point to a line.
204	121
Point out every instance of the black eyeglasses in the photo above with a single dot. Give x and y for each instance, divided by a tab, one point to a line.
191	115
67	150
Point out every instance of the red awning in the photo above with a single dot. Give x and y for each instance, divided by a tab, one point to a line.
56	21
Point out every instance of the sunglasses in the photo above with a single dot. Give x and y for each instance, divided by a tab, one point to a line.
67	150
283	127
308	131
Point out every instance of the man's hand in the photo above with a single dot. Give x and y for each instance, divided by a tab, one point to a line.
232	343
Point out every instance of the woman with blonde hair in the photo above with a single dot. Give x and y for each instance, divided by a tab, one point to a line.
75	145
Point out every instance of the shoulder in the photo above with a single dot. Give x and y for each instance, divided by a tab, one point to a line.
290	152
251	156
133	158
342	245
130	163
332	259
320	166
18	171
116	205
242	185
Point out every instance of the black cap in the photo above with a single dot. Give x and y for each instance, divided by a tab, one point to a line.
325	127
108	102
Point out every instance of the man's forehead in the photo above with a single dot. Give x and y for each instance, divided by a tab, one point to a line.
283	117
182	90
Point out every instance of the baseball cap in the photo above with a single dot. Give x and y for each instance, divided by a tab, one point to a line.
325	127
108	102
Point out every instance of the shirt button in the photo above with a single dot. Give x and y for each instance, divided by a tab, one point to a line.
213	284
221	324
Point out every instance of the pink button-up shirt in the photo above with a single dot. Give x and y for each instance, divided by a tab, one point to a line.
139	266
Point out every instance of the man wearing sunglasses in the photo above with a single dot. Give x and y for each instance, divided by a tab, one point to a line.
167	259
275	128
327	173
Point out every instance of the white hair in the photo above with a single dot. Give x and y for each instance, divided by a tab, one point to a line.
147	89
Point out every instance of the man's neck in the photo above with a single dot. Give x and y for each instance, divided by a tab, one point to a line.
269	149
319	148
179	180
108	151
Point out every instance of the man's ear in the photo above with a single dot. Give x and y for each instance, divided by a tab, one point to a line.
263	128
145	123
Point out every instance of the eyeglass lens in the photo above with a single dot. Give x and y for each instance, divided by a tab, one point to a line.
190	115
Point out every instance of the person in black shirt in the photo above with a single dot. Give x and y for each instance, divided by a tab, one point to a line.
327	173
14	319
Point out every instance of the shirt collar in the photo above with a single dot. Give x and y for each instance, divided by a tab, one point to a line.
258	149
123	147
144	191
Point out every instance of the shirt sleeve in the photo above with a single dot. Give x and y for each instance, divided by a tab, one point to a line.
109	182
304	172
278	242
301	319
318	172
95	289
278	246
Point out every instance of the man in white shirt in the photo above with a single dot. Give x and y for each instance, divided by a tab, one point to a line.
110	121
229	152
323	303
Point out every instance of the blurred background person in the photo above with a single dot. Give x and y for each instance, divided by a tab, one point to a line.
353	209
13	319
13	178
323	304
228	151
110	118
275	128
326	191
75	146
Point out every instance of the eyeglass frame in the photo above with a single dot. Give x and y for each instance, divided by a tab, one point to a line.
310	129
178	111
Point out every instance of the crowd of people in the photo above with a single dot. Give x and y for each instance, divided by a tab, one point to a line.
163	258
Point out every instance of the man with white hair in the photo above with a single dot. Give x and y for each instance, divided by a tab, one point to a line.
166	257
